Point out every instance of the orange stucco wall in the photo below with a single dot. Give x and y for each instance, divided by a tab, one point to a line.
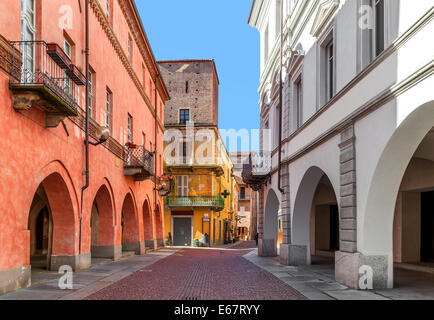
32	154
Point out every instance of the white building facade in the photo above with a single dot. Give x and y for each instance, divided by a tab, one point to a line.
357	134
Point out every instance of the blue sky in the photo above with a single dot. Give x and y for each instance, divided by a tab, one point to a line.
207	29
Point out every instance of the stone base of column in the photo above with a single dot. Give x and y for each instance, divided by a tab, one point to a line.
14	279
267	248
294	255
138	247
160	243
149	244
358	271
107	252
76	262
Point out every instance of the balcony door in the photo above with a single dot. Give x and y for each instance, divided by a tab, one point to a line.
28	32
182	186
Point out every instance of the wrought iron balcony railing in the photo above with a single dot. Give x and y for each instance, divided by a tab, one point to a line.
139	163
43	76
216	203
255	174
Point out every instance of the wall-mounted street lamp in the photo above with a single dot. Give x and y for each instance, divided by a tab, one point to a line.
103	137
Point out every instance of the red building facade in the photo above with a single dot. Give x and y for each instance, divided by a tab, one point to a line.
46	221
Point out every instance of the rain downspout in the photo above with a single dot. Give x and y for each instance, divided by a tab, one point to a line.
156	143
86	142
280	100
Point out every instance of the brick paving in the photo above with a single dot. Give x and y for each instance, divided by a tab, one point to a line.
198	274
244	245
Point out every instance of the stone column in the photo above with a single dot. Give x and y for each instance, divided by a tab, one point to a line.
261	221
352	268
348	203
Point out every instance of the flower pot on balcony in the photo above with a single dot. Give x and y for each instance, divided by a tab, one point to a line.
130	145
76	75
58	55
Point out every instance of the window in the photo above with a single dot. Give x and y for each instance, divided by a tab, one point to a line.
327	68
144	76
130	128
299	102
28	31
161	110
90	97
243	193
278	17
266	44
182	186
151	92
184	152
68	51
108	10
108	109
184	116
143	139
330	71
379	30
186	87
130	49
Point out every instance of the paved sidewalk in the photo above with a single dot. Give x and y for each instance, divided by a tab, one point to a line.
316	282
103	273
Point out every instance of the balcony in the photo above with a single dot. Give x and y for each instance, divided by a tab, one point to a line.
256	173
214	203
186	163
138	163
43	76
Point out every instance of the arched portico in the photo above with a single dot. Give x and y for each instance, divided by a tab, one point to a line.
130	227
102	224
53	224
159	232
376	238
315	218
147	226
268	243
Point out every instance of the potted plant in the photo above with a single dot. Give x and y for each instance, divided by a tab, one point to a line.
196	243
130	145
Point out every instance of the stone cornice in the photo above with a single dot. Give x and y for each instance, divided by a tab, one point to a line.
102	18
133	19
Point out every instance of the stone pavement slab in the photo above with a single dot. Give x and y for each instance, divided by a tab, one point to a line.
103	273
317	282
314	282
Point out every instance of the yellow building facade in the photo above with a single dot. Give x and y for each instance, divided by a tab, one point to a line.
200	209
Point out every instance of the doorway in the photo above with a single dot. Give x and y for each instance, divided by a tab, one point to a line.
182	231
41	235
427	226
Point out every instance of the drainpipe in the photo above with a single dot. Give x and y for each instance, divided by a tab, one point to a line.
155	143
280	100
86	142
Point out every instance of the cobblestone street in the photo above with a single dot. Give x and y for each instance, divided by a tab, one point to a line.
224	273
201	274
